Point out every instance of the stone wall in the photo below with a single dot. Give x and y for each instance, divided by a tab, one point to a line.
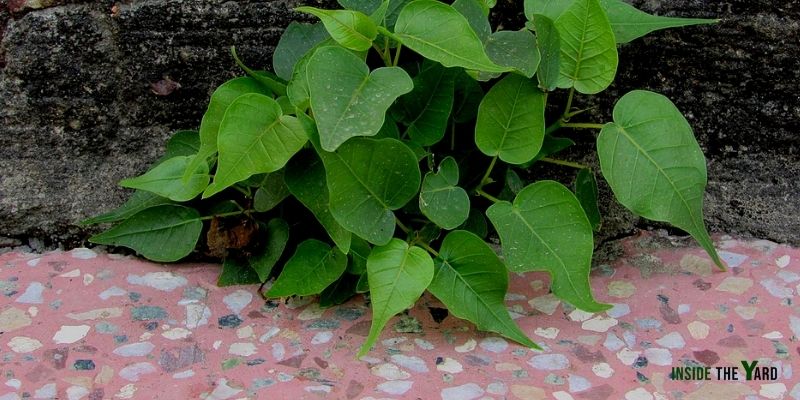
90	90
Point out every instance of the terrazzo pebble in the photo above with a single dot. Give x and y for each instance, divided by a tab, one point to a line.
547	333
82	253
746	312
176	333
735	285
100	313
562	396
527	392
494	344
733	260
389	372
578	383
33	262
71	333
126	392
278	351
395	388
238	300
619	310
613	342
71	274
135	349
783	261
450	366
698	330
32	295
424	344
599	324
629	338
76	392
469	391
773	390
322	337
242	349
777	289
638	394
411	363
269	334
788	276
497	388
223	390
312	312
546	304
162	280
23	344
134	371
148	313
628	356
47	391
197	315
245	332
578	315
621	289
696	265
658	356
468	346
672	340
14	383
549	362
773	335
603	370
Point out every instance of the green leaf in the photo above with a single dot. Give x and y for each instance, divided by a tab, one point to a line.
440	33
514	49
553	145
359	251
182	143
427	107
221	99
164	233
476	223
340	291
468	96
266	78
313	267
255	137
297	90
237	272
551	9
363	284
588	49
347	99
138	201
305	178
352	29
548	40
166	179
655	167
473	11
398	275
368	179
546	230
586	192
365	6
297	40
629	23
511	120
472	282
378	15
395	7
441	200
271	191
388	130
265	258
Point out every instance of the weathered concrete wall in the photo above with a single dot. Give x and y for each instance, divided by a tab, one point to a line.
79	113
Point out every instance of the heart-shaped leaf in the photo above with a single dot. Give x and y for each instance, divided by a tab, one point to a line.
546	230
473	11
514	49
655	167
468	96
276	233
586	192
548	41
427	108
364	6
221	99
255	137
551	9
305	179
237	272
138	201
440	33
629	23
271	191
351	29
346	98
588	49
472	282
368	179
164	233
182	143
166	179
397	275
295	42
313	267
511	120
441	200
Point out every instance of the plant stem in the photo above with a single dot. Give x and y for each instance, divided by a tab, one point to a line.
427	247
223	215
382	54
485	179
452	135
569	103
402	226
396	54
247	193
493	199
582	125
564	163
553	127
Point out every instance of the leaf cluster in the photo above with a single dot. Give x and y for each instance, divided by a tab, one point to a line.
367	161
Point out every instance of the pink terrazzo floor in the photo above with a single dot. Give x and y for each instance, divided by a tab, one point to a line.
80	324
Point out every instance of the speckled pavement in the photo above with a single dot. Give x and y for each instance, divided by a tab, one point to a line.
86	325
